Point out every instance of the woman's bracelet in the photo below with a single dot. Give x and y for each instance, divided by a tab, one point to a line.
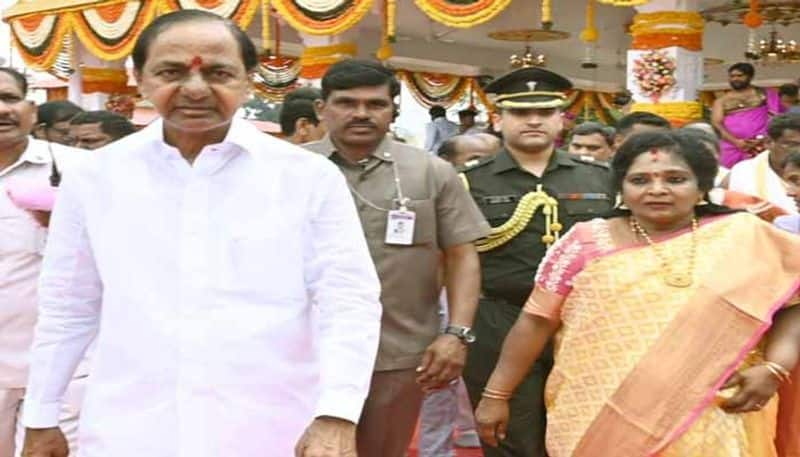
778	371
495	394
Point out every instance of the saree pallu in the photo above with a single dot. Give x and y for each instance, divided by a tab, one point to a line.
638	363
747	124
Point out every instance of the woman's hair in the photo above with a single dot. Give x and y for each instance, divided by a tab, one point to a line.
688	146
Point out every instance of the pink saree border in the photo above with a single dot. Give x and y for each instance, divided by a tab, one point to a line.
749	345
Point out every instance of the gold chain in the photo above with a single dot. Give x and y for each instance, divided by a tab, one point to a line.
671	278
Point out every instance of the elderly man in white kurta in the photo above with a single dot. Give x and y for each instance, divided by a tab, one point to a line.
223	271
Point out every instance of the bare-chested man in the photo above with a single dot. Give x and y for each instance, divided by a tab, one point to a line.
742	114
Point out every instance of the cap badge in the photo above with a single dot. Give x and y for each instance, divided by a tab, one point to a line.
531	85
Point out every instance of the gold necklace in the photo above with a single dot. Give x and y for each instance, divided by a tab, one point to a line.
671	278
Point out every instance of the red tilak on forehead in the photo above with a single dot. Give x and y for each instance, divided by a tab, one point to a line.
196	62
654	154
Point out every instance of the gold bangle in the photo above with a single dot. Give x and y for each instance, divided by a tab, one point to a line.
497	391
495	396
778	371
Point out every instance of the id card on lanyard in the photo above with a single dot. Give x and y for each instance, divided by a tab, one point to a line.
400	222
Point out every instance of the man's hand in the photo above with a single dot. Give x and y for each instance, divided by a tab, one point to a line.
442	363
328	437
45	442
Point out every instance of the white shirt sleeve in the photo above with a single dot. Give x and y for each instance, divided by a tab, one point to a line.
342	282
70	294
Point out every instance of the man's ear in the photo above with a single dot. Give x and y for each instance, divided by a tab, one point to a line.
301	126
319	106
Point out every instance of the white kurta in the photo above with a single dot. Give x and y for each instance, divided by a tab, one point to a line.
755	177
22	242
238	298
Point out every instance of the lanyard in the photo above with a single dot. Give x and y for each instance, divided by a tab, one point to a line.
401	200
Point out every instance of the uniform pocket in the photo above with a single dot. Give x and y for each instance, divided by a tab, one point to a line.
425	220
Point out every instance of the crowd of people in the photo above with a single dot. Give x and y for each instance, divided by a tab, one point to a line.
199	288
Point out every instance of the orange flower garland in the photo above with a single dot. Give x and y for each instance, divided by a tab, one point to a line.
668	28
462	15
343	20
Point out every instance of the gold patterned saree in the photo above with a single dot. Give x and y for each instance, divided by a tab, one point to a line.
639	363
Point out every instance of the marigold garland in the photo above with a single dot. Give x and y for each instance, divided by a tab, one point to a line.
590	34
753	17
40	39
478	91
106	80
389	26
547	13
436	89
113	41
107	29
678	113
654	73
668	28
315	61
462	15
340	22
693	42
692	22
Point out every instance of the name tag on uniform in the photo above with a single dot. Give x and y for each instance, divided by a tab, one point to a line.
583	196
400	227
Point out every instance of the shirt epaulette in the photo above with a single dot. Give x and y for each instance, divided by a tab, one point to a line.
475	163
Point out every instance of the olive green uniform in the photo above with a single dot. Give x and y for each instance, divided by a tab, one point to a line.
583	191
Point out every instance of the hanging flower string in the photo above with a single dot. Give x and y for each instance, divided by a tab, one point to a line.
547	14
655	74
389	27
753	17
590	34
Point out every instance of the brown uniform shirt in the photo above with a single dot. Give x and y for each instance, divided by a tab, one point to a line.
446	216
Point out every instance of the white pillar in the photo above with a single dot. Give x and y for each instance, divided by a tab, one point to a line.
689	71
83	58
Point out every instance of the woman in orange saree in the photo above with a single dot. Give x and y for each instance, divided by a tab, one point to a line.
673	323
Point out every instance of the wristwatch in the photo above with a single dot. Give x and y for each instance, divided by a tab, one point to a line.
465	334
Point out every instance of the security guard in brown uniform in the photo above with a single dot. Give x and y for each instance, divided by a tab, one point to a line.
530	193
